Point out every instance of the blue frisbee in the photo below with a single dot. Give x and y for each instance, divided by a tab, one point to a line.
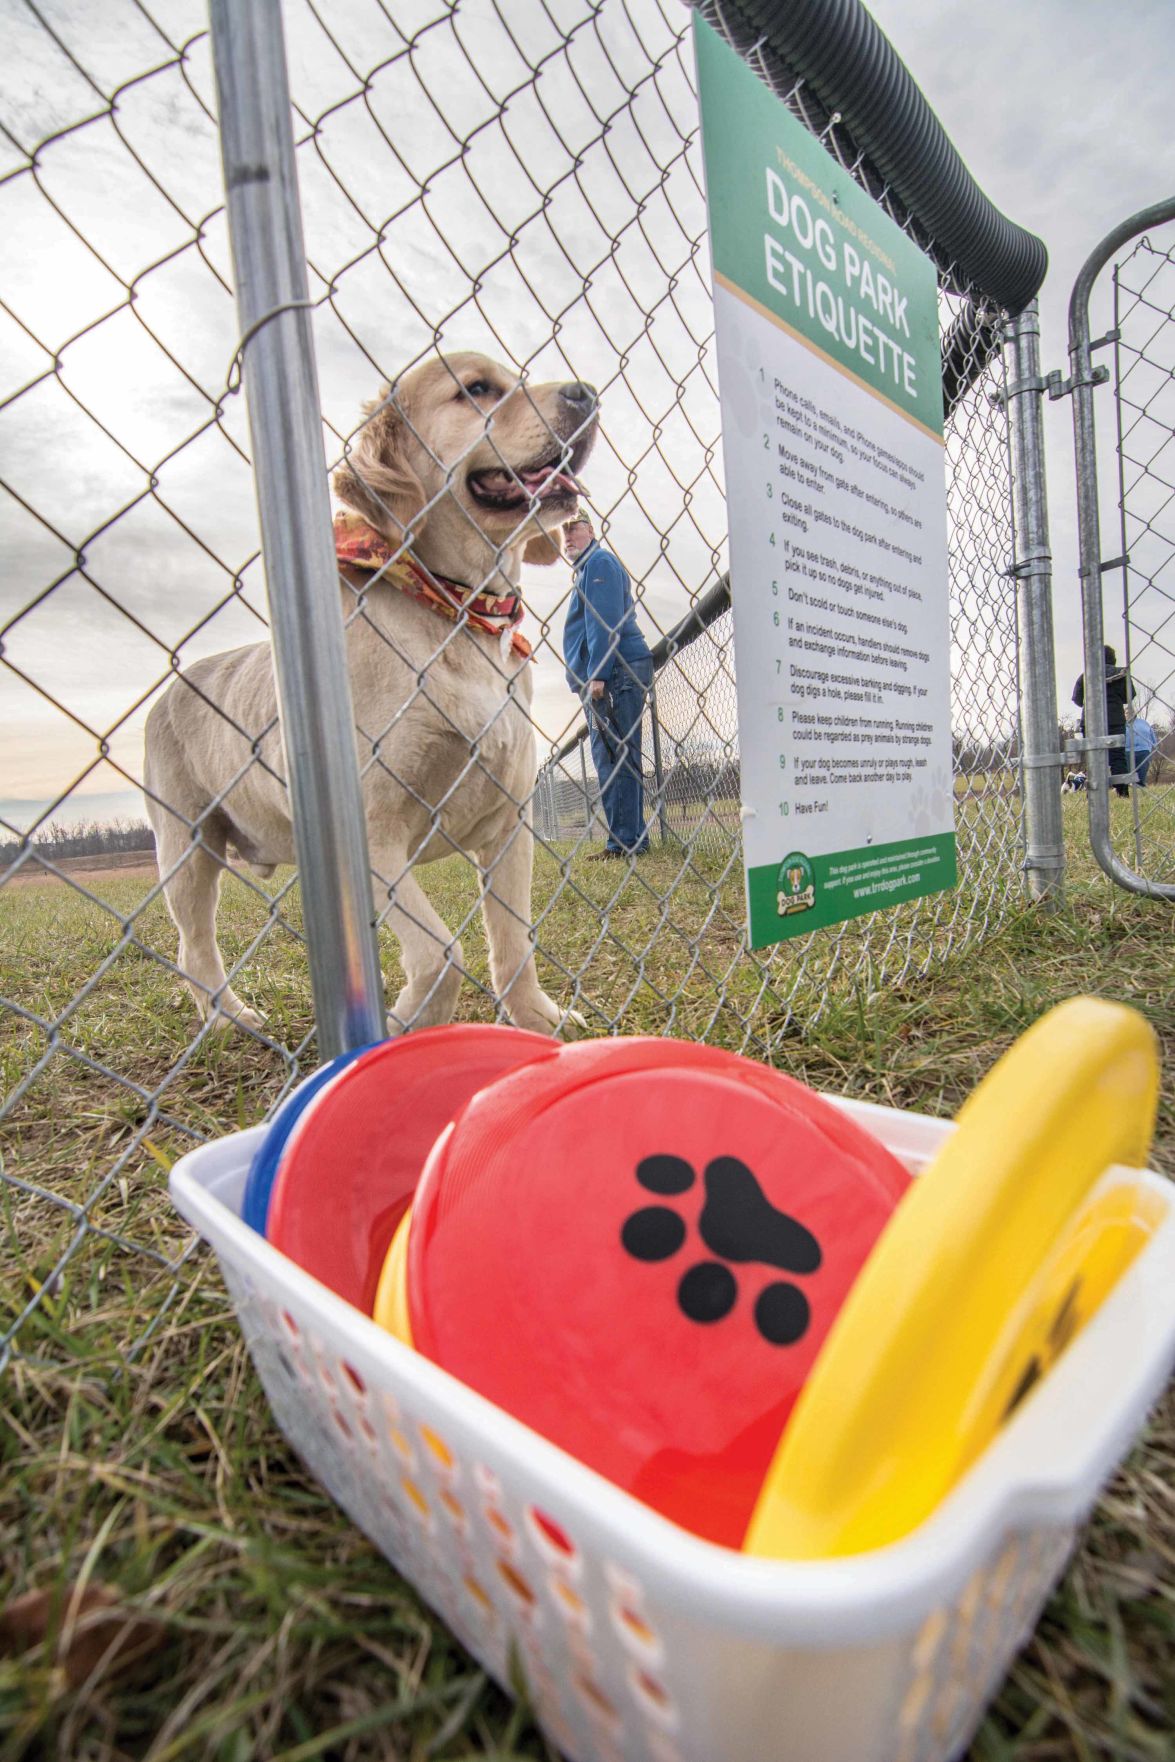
265	1164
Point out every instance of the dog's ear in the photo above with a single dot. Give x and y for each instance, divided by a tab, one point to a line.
377	479
545	547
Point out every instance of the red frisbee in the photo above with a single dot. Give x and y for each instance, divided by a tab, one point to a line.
354	1158
638	1247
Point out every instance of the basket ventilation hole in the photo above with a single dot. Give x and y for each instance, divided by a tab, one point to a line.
436	1447
500	1523
553	1535
414	1493
594	1695
517	1583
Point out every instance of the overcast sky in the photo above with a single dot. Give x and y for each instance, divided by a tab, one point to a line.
1064	121
1062	111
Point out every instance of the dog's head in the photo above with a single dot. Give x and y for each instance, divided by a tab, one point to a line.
479	467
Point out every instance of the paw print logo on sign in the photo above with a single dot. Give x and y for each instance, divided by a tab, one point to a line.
737	1224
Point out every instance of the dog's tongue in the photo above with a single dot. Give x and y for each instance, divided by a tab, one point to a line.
542	483
550	483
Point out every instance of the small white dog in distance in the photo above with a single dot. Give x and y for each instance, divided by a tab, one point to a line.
477	470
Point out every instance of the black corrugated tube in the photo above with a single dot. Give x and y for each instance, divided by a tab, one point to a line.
851	67
969	344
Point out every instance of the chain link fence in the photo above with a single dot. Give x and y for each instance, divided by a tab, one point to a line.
517	182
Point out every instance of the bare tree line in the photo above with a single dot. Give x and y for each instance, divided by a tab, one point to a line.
88	838
687	780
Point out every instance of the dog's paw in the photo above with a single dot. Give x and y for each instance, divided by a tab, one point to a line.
540	1014
230	1012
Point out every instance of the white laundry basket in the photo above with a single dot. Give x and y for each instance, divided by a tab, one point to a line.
637	1640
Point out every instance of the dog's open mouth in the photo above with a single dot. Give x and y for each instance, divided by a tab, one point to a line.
550	480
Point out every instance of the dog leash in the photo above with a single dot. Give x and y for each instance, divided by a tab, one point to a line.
360	547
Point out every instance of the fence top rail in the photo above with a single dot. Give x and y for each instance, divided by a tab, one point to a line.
853	72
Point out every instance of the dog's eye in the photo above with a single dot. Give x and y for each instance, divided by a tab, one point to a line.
480	388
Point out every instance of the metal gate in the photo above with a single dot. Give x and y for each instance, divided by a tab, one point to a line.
1128	741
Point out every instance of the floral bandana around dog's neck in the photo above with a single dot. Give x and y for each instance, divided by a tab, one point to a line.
359	546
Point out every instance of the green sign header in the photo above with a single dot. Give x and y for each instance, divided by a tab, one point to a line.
793	232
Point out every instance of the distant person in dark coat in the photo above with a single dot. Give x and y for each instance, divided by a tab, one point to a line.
610	669
1119	694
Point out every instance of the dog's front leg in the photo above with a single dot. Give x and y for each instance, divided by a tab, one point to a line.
429	952
506	877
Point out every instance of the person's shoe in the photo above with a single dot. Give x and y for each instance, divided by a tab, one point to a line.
606	856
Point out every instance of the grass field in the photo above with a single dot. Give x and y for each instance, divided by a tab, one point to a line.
250	1622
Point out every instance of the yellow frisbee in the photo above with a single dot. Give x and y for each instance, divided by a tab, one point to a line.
391	1296
996	1257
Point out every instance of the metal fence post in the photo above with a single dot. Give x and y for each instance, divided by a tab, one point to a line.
545	797
1041	760
551	804
658	767
587	800
285	423
538	808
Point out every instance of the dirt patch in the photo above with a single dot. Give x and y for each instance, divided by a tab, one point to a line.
83	869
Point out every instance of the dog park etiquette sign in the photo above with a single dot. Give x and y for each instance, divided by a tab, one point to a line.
828	363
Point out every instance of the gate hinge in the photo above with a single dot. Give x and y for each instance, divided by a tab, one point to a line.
1004	394
1044	856
1060	388
1104	568
1031	563
1077	748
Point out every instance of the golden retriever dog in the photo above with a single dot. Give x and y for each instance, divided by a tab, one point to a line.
464	468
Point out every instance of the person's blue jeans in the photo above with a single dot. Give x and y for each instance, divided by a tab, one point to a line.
1138	759
614	722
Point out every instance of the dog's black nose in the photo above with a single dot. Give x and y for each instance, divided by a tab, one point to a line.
584	397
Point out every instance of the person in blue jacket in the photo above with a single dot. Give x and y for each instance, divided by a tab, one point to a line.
1141	741
610	669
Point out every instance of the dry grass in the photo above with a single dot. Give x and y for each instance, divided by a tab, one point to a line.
275	1633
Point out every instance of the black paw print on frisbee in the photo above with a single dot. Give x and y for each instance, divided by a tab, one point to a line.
738	1223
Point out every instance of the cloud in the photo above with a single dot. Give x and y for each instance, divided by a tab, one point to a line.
1061	110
